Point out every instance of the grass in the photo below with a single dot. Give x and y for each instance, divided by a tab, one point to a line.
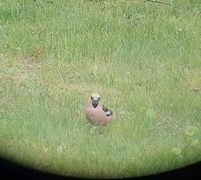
142	57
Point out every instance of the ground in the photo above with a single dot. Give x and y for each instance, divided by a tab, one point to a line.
143	57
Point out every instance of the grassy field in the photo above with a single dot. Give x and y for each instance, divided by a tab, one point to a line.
142	57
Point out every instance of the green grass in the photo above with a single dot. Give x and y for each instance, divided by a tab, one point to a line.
142	57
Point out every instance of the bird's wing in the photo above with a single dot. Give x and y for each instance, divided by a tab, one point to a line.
107	111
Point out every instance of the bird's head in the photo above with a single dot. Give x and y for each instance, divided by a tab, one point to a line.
95	98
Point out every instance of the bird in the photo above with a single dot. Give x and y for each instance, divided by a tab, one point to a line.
96	113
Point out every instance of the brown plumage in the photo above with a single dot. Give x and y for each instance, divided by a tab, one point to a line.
96	112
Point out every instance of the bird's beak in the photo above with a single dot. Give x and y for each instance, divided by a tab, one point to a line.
95	100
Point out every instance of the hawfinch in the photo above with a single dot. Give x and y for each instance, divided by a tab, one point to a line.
96	113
